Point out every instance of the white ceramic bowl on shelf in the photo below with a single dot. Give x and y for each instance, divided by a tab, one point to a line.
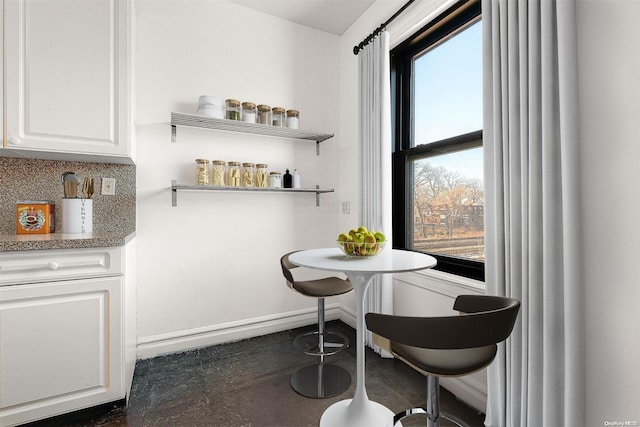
210	100
211	106
206	110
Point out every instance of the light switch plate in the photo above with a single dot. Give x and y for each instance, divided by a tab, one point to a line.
108	186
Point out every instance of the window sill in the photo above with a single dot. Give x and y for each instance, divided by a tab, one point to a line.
443	283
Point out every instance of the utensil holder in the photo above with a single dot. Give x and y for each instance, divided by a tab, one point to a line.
77	215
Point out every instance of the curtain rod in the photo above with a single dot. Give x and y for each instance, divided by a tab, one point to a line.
378	30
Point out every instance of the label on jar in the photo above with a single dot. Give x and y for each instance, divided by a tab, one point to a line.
292	122
275	181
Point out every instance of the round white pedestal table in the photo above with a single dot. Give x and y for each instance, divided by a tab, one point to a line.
360	411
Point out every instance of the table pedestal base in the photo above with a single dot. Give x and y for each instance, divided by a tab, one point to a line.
342	414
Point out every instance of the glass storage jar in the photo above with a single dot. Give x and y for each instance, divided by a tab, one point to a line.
264	114
234	174
275	180
277	116
248	175
217	172
232	109
202	172
261	175
249	112
293	119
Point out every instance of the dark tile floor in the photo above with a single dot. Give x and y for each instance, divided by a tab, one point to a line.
246	383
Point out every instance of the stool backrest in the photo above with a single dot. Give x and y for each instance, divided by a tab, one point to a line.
287	266
484	320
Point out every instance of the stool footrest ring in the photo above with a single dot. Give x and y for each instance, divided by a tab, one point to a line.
431	421
309	343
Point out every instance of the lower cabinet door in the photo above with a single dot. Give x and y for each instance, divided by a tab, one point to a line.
60	347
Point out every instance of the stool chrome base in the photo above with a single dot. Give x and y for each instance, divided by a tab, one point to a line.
321	381
309	343
431	421
432	409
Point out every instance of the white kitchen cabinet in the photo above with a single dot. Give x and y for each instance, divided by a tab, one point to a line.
21	267
1	73
68	74
66	342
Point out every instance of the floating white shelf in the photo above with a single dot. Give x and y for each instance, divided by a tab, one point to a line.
175	187
205	122
195	120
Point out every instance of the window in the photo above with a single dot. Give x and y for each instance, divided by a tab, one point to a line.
438	192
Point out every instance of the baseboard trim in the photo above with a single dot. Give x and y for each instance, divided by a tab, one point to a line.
467	389
348	316
179	341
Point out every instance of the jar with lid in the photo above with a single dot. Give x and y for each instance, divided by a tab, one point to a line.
293	121
248	175
264	114
217	172
234	174
202	172
277	116
275	180
261	175
249	112
232	109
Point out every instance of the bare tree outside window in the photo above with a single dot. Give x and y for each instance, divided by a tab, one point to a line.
448	210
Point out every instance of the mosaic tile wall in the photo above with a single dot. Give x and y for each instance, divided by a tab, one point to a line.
31	179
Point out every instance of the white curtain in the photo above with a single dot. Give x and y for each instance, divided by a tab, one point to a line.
533	210
375	142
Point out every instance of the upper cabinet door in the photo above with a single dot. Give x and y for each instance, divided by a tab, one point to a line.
1	72
68	79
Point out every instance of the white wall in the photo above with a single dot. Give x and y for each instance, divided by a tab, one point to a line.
609	84
208	269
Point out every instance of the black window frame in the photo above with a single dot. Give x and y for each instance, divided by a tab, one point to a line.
453	20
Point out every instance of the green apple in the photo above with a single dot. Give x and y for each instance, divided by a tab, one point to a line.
370	246
362	229
343	237
380	237
358	240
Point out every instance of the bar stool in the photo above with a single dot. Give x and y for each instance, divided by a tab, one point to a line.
448	346
320	380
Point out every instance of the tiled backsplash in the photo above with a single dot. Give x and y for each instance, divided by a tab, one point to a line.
30	179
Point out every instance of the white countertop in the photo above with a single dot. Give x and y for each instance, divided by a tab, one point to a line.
27	242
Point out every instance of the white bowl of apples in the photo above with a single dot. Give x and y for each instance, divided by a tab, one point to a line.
361	242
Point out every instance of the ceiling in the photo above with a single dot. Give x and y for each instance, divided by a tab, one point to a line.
331	16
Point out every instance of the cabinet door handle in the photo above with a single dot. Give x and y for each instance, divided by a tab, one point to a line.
52	265
14	140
